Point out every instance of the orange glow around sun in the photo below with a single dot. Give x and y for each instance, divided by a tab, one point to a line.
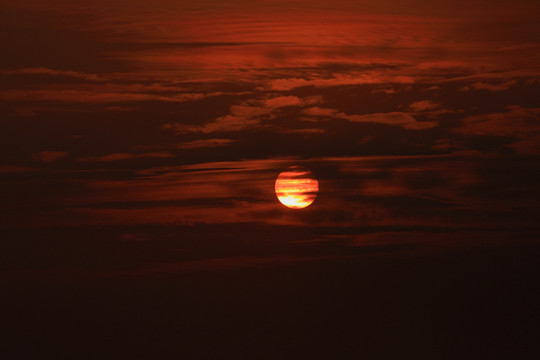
296	187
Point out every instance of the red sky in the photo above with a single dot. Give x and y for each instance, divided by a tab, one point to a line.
126	113
140	143
95	96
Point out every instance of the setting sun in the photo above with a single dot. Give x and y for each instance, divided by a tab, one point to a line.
296	187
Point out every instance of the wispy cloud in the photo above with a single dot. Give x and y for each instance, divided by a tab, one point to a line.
401	119
423	105
126	156
527	146
516	122
13	169
367	191
49	156
205	143
522	124
248	114
342	80
97	97
53	72
490	86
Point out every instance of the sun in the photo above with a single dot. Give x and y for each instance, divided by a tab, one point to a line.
296	187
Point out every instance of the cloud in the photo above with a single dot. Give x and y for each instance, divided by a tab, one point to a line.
404	120
489	86
53	72
447	145
12	169
248	114
97	97
350	79
516	122
48	156
305	131
365	191
225	123
23	112
318	111
282	101
423	105
125	156
528	146
123	88
502	75
443	65
387	91
205	143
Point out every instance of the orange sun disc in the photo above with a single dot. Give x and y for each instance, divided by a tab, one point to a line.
296	187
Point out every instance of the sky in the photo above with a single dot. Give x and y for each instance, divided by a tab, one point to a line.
142	139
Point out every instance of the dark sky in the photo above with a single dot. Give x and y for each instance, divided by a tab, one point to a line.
140	142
